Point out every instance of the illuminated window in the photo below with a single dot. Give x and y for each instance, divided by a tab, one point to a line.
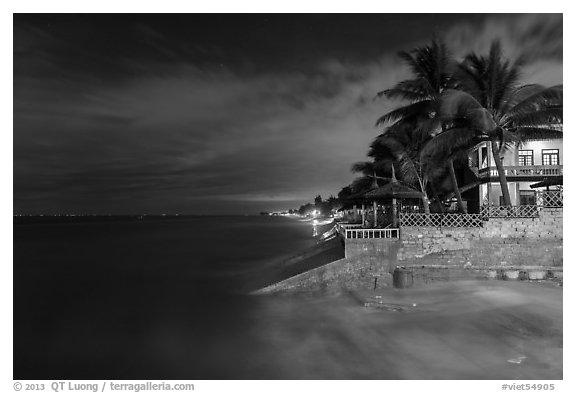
525	157
550	157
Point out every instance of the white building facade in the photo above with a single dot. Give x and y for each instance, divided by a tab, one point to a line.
525	164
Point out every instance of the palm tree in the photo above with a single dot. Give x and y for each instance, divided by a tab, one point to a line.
450	145
491	107
432	68
396	148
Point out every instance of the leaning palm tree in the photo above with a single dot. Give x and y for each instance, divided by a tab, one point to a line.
432	67
395	148
452	144
491	107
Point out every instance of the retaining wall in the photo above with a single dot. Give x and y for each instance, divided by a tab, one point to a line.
360	271
502	242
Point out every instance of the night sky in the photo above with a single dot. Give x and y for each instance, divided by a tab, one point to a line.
132	114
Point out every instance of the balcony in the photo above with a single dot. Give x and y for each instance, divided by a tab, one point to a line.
519	173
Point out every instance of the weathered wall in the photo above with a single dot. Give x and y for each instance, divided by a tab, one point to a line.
503	242
385	248
359	271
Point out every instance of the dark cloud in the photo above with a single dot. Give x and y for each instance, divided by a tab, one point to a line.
219	114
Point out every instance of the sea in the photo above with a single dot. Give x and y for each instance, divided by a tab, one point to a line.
97	297
169	298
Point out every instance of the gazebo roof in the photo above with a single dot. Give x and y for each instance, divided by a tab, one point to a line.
389	191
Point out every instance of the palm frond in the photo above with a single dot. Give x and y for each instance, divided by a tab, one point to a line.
469	76
413	110
538	133
364	167
507	82
410	171
492	77
415	66
447	143
403	94
456	104
361	184
520	94
537	118
412	90
390	144
552	96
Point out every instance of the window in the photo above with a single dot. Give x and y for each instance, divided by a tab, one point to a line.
550	157
525	157
483	157
527	197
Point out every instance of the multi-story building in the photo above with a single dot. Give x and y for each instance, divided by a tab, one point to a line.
533	161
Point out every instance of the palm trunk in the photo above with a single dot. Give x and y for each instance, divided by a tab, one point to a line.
426	204
455	187
501	174
437	198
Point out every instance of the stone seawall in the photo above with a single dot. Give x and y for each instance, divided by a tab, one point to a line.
502	242
525	247
360	271
384	248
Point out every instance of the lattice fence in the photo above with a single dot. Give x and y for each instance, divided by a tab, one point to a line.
550	198
509	211
441	220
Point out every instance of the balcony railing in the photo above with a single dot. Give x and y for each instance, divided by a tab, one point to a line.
355	231
523	171
343	226
391	233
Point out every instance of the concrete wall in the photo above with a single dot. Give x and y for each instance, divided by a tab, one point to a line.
358	272
385	248
440	254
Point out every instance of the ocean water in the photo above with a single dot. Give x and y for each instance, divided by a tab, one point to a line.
89	294
165	299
